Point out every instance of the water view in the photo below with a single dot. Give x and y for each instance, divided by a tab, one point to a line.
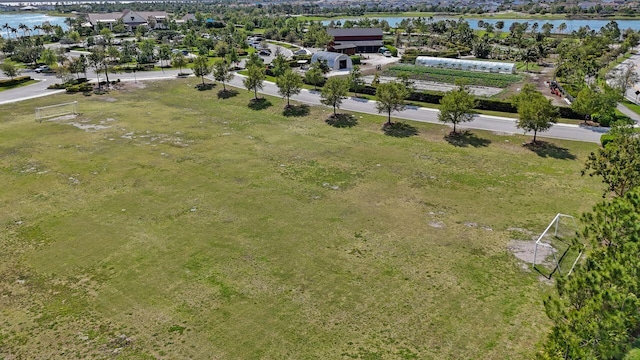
473	22
13	20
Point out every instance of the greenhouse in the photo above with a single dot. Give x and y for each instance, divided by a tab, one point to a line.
336	61
466	65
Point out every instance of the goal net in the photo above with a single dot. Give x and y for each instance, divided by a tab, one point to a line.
53	111
558	248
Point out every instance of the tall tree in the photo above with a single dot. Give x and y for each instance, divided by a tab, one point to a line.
201	67
254	80
222	73
596	311
289	84
617	162
390	97
48	57
280	65
314	76
164	54
10	69
456	106
623	78
334	91
178	60
254	60
355	79
536	113
98	59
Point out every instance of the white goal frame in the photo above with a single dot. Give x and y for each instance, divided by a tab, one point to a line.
51	111
553	226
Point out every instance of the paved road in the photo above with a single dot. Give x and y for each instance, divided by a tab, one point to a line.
40	89
481	122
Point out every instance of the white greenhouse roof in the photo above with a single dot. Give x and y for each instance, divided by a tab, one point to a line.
469	65
331	57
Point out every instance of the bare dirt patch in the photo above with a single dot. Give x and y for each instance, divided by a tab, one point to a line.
525	250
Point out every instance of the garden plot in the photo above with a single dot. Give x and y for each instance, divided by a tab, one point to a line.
437	86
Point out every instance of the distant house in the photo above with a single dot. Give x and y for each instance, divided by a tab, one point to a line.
335	61
356	40
131	19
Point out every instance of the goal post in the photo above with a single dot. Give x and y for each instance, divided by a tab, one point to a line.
52	111
558	248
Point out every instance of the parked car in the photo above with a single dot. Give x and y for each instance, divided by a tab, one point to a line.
387	53
264	53
43	69
300	52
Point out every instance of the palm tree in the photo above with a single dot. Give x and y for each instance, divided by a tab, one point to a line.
6	26
562	27
14	31
38	28
24	29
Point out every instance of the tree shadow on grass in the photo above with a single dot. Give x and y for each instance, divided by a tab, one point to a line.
466	138
259	104
399	129
342	120
546	149
205	86
226	94
296	110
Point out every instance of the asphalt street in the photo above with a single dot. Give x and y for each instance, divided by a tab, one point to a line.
481	122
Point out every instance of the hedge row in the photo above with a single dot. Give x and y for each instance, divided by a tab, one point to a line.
15	81
432	97
136	67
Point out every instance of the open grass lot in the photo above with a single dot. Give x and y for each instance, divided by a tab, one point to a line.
196	227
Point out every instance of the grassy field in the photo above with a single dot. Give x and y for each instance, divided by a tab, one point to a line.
165	222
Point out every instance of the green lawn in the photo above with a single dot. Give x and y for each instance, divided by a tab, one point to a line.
197	227
3	88
631	106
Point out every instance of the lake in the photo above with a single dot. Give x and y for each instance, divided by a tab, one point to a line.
29	19
473	22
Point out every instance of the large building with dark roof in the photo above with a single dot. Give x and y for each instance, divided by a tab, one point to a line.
355	40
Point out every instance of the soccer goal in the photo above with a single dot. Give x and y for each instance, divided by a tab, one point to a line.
558	249
52	111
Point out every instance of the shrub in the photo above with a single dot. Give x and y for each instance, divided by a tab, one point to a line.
606	138
15	81
392	49
83	87
355	60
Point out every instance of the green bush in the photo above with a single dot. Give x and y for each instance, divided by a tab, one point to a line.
355	60
392	49
15	81
605	139
634	354
83	87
